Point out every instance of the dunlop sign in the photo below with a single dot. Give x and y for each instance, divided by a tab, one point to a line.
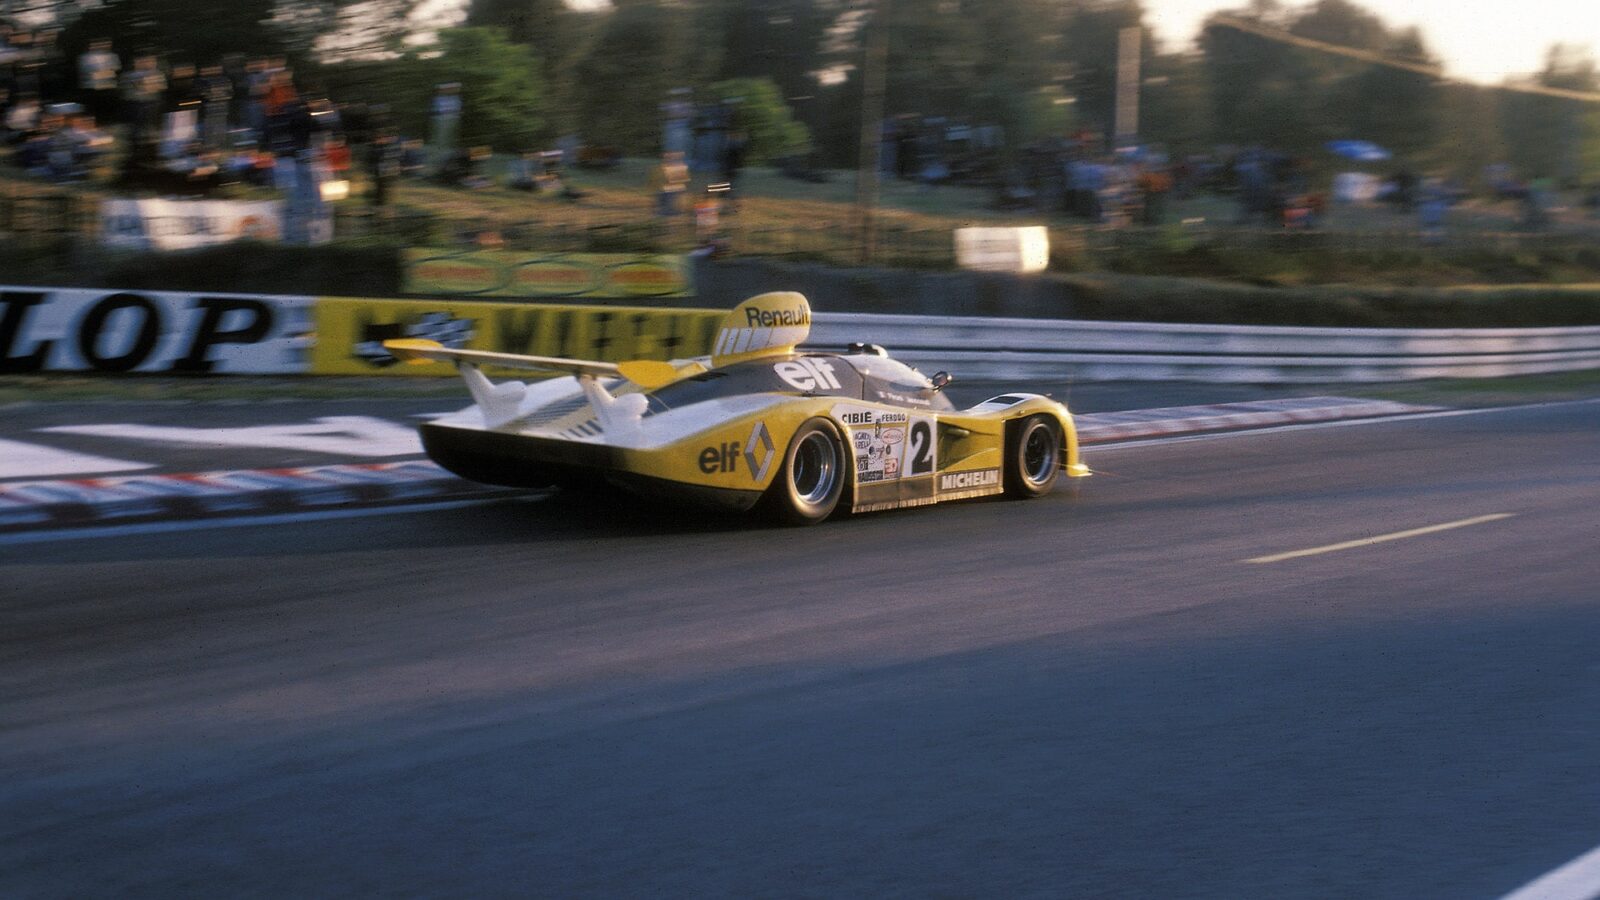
506	273
351	332
74	330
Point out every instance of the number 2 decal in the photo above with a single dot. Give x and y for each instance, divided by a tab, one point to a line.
921	448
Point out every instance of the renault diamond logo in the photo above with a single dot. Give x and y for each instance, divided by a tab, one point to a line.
758	451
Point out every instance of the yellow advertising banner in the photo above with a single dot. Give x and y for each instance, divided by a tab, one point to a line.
508	273
350	332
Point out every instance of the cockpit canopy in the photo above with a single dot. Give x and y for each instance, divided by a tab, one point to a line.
863	376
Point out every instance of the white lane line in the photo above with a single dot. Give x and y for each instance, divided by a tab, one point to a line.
117	531
20	460
1577	880
1379	539
364	436
1098	449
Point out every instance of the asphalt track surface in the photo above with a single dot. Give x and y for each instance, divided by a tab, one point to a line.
1060	698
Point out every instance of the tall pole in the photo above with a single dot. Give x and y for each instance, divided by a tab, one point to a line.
873	76
1126	127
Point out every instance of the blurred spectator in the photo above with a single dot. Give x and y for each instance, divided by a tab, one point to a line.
1433	199
1154	184
182	89
708	218
385	161
98	69
283	134
26	64
552	181
237	71
523	172
467	168
258	80
668	181
733	162
676	113
22	118
445	118
413	158
142	88
215	90
336	152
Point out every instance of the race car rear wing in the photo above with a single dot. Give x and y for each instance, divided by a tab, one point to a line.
500	403
417	350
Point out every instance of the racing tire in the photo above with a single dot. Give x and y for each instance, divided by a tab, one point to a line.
1033	456
811	480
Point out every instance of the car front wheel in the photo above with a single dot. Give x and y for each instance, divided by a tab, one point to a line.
1033	456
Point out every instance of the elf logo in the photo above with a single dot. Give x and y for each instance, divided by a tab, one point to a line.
957	481
721	458
808	374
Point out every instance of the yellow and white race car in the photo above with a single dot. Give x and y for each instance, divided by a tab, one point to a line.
757	424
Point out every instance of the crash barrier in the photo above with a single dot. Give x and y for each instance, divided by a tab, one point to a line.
1112	351
44	329
73	330
509	273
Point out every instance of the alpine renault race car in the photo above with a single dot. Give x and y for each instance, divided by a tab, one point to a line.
757	424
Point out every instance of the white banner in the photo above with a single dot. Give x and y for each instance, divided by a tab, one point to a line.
183	224
44	330
1020	250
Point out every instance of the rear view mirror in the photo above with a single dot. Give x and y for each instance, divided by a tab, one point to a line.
940	379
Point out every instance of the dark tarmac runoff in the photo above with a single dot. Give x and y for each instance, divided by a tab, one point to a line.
1352	661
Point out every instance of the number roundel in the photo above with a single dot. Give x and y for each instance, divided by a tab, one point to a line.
921	448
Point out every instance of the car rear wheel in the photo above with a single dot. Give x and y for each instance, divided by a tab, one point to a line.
808	487
1033	456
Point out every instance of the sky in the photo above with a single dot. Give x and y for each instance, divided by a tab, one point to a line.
1481	41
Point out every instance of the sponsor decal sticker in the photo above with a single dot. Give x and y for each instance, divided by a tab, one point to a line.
512	273
721	458
759	451
960	481
434	326
807	374
774	318
888	444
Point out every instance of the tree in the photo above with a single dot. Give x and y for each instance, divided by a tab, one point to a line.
203	31
766	120
780	40
189	29
1396	108
1551	136
558	35
1297	98
1088	48
502	94
640	54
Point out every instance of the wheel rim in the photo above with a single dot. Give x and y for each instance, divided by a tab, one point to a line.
1039	454
815	470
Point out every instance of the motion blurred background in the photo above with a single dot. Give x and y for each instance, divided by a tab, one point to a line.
1391	143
